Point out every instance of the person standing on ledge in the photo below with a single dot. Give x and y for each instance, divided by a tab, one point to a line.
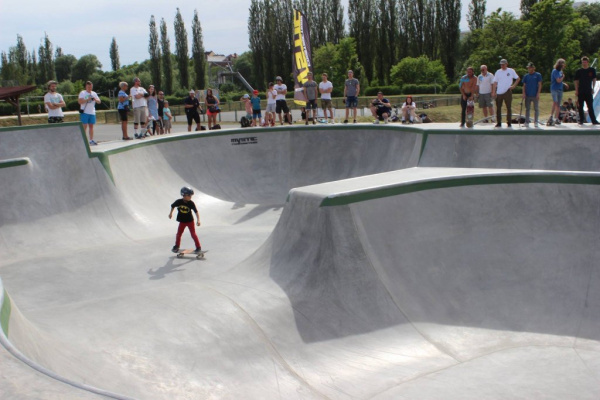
54	103
505	80
87	110
585	80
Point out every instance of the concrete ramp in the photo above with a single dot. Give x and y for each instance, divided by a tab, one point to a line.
339	266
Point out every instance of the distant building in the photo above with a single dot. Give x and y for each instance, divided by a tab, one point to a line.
218	63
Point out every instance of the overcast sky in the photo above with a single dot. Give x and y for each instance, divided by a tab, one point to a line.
88	27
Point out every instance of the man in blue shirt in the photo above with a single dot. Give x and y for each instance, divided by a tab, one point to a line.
532	86
556	89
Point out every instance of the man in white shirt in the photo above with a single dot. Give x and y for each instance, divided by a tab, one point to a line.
505	80
87	109
280	103
325	88
140	106
54	104
485	82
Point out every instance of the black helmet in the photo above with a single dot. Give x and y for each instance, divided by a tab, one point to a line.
186	190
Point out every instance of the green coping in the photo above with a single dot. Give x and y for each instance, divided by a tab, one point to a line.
442	183
5	313
14	162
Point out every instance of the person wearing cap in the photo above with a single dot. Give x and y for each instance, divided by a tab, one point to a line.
532	87
484	92
557	90
325	88
585	80
505	80
212	108
192	107
54	103
271	105
140	107
256	111
468	88
351	93
248	105
310	94
280	103
381	108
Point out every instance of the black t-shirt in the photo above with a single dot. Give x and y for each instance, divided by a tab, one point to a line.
184	209
191	101
161	106
586	78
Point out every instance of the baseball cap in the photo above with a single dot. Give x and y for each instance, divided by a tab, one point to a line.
278	78
503	61
255	92
246	96
529	65
191	91
350	71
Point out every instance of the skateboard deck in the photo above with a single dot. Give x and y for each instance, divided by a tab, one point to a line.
470	112
200	255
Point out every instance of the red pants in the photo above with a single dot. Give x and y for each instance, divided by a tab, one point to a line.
192	228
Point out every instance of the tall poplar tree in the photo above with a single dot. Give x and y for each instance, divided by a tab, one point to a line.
114	55
476	14
46	60
198	53
167	64
448	29
181	51
154	51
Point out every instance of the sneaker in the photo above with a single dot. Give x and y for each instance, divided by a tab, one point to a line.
385	122
306	123
509	125
198	250
345	121
536	125
376	122
498	126
314	122
579	123
93	143
354	121
557	122
526	124
595	123
461	126
175	249
332	122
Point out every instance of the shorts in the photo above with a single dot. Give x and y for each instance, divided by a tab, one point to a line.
485	100
139	115
123	115
167	123
311	104
270	108
192	116
209	113
326	104
256	114
557	96
281	105
351	101
55	120
383	110
87	119
249	115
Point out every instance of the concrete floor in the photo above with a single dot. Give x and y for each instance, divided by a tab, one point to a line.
345	262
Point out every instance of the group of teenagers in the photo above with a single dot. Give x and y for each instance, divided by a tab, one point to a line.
488	87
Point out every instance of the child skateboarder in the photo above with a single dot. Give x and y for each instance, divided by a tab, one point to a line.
185	206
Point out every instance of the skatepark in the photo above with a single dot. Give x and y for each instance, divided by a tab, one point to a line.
345	262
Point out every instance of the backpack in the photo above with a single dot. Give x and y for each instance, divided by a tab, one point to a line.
244	122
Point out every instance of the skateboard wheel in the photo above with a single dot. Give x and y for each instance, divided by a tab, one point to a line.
180	255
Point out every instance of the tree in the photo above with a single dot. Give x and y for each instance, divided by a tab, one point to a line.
198	53
526	6
32	68
361	21
476	14
243	65
181	51
447	17
64	66
59	52
155	55
165	45
21	53
257	30
85	67
419	26
553	30
114	55
46	60
420	70
335	23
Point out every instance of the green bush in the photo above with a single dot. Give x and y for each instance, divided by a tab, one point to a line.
387	90
453	89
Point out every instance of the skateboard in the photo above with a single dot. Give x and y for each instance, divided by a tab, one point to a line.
200	255
470	112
